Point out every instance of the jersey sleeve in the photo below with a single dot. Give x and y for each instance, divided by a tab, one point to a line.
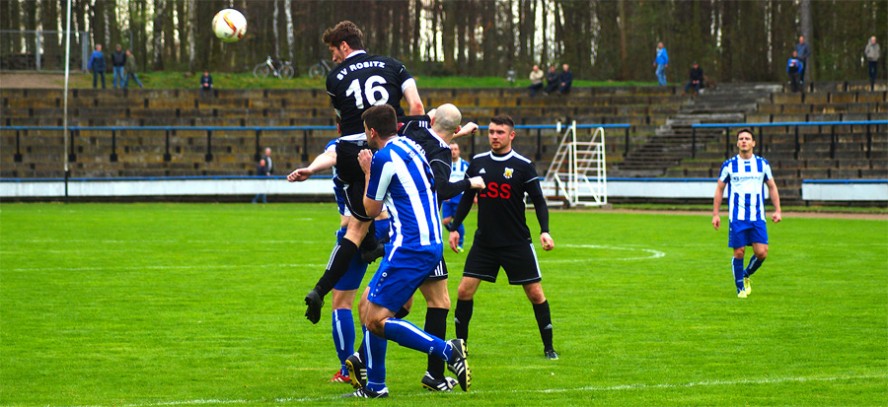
767	170
725	174
381	173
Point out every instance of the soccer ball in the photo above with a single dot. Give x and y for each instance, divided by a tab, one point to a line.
229	25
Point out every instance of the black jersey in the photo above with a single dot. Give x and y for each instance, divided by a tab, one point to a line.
361	81
501	220
437	153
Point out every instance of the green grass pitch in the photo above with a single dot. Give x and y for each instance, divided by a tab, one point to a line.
201	304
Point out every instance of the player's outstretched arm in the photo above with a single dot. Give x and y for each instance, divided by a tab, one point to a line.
414	102
322	162
466	130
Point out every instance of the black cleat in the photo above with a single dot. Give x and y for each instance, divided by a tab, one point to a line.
369	256
315	302
551	354
433	384
369	394
356	371
459	364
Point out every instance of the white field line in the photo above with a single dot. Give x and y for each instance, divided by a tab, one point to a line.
586	389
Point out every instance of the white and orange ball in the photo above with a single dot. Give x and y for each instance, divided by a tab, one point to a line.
229	25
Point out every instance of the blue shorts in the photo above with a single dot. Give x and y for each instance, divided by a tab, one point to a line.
448	208
402	271
742	233
352	278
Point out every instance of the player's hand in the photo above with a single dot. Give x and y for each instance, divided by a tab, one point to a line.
469	128
716	221
776	217
364	158
454	241
477	182
546	241
299	174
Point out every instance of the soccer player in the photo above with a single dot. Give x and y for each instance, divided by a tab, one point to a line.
357	83
399	177
435	139
458	168
345	291
503	238
746	175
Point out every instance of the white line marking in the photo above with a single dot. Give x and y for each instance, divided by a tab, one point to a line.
619	387
652	254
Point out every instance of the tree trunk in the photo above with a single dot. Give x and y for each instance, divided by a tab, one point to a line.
190	34
291	39
808	32
157	41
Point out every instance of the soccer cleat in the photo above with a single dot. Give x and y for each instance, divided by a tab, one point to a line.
433	384
459	249
551	354
369	256
340	378
741	294
747	285
459	363
357	372
369	394
314	301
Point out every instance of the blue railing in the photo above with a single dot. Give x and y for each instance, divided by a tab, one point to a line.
74	132
760	144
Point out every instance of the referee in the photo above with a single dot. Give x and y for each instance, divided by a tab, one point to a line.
503	238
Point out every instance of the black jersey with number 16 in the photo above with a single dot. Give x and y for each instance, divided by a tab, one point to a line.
362	81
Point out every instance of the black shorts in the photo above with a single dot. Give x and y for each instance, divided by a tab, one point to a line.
350	178
439	273
519	262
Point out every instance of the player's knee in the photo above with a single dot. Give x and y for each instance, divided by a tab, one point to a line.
762	254
377	327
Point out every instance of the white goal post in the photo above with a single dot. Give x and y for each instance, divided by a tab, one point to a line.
577	175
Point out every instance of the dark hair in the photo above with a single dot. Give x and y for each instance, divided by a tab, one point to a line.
503	119
746	130
344	31
383	119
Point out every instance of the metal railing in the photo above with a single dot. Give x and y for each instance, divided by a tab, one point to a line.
870	125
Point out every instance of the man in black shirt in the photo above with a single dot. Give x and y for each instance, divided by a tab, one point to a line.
503	238
357	83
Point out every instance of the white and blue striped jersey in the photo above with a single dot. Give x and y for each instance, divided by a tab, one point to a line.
458	173
746	187
401	176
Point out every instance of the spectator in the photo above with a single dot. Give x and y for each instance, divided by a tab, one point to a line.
536	80
795	67
565	80
206	81
118	62
661	62
131	69
551	80
695	78
803	53
261	171
268	161
872	53
96	64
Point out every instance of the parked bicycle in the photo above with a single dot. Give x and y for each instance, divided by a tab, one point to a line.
320	70
279	68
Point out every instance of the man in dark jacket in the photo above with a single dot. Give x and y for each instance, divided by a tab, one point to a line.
565	80
118	62
96	64
695	78
551	80
206	81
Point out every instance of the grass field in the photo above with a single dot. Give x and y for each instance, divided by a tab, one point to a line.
201	304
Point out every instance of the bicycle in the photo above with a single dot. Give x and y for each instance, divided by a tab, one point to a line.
319	70
279	68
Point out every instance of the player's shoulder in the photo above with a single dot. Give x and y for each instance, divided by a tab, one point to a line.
763	160
518	157
730	161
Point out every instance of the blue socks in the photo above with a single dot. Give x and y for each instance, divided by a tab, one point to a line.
410	336
754	264
738	273
343	336
462	234
376	348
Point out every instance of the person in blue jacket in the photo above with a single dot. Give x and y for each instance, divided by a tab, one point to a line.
96	64
661	62
795	68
